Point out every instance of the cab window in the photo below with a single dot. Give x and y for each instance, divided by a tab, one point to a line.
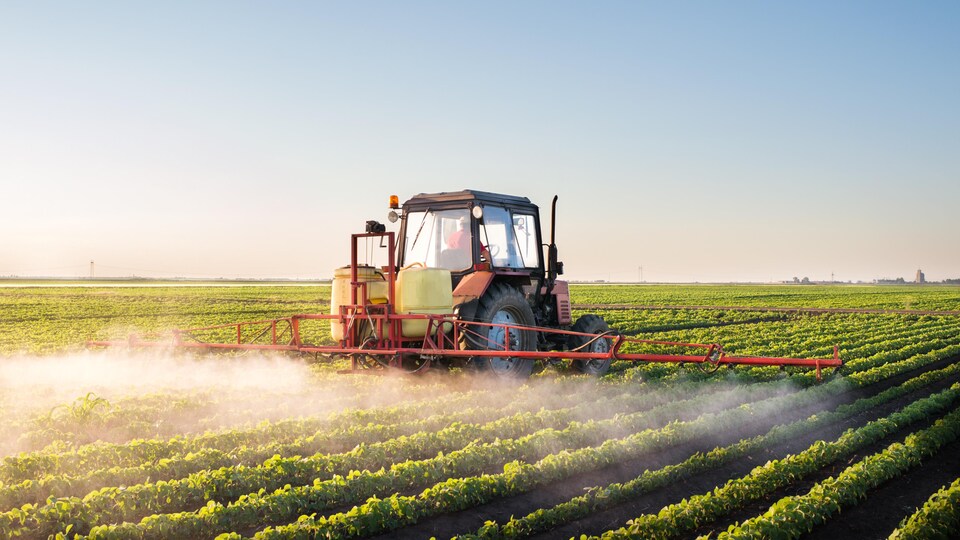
510	240
439	239
525	234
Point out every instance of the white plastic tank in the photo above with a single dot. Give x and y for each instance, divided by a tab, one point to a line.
423	290
376	287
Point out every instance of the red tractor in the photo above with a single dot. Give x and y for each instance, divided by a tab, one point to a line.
500	274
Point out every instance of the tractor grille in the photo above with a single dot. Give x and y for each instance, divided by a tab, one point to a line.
561	291
564	310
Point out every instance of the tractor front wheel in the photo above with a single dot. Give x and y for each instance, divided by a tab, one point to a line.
504	305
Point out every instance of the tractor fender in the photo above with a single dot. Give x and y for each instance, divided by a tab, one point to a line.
468	292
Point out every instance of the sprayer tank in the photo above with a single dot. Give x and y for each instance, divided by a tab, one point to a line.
423	290
375	286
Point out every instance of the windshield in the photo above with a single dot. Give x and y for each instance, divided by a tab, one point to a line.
439	239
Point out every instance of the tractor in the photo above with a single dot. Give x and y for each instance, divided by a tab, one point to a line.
501	273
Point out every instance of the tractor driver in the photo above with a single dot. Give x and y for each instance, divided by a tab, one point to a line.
458	254
460	238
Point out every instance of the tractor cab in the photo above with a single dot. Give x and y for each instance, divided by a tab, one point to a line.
492	246
469	231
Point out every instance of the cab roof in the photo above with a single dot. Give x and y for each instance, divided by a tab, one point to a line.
468	195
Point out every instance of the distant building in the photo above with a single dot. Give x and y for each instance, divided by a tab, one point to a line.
920	277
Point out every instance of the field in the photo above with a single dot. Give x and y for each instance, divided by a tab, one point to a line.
157	444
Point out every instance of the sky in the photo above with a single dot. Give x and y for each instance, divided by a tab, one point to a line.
701	141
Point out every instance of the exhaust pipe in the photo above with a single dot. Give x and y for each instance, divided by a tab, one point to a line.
554	267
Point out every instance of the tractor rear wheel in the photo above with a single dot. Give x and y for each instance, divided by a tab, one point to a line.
591	324
503	304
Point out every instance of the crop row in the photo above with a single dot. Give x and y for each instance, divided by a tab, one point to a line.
639	322
884	359
50	318
825	296
133	502
92	457
286	502
861	358
810	333
814	340
284	431
91	418
601	498
207	456
455	494
939	518
700	510
380	515
791	517
371	438
418	401
183	411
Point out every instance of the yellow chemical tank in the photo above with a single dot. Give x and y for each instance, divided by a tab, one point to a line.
340	292
423	290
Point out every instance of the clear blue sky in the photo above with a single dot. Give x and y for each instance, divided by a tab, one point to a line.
705	141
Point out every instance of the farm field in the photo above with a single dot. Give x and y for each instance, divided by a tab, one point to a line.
127	444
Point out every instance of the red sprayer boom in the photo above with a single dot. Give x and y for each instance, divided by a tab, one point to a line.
465	285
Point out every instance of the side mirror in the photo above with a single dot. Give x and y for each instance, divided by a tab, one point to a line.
559	268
